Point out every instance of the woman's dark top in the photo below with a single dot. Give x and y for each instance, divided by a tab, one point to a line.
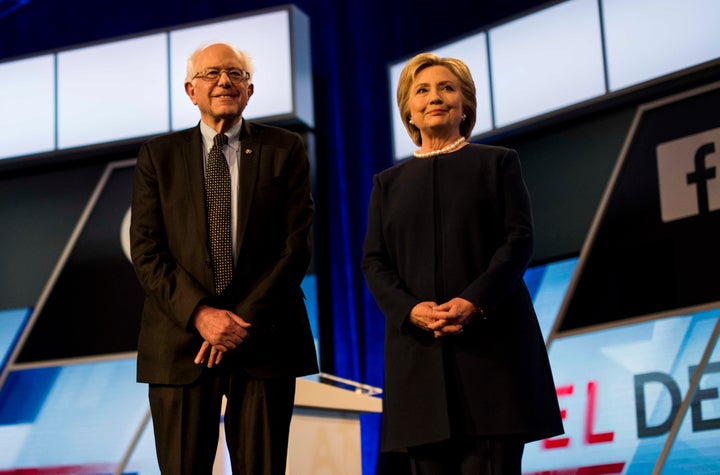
458	225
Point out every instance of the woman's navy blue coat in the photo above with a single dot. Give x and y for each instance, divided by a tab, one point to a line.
458	225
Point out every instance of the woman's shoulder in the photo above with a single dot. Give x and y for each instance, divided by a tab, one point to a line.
487	155
487	149
472	151
409	165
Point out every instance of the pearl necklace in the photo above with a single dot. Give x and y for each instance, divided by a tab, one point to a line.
446	149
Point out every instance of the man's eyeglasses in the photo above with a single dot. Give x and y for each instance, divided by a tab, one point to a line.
213	75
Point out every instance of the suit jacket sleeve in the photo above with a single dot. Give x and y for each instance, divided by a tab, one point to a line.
392	295
515	237
487	225
173	288
276	246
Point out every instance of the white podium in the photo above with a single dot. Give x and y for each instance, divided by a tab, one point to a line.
324	432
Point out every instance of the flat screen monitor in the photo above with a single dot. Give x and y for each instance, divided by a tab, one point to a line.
112	91
27	95
647	39
546	61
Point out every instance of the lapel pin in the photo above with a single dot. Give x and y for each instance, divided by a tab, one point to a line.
248	151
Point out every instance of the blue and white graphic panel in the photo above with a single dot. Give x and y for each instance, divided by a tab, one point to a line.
11	324
548	284
697	447
620	390
77	418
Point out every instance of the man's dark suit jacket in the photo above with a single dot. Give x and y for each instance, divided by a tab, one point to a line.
170	253
459	225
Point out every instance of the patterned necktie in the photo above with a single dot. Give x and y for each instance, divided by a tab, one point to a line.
217	197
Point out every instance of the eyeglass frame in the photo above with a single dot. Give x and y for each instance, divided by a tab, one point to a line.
203	75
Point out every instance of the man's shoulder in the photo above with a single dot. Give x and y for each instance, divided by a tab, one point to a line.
176	138
263	132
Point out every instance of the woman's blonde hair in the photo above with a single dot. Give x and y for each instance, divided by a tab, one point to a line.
467	89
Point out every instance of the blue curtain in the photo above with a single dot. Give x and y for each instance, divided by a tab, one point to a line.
356	144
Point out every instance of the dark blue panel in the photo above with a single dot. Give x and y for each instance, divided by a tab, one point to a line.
533	277
24	393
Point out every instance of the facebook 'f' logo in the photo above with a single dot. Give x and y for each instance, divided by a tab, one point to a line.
689	175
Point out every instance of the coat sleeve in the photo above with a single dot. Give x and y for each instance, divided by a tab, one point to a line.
164	280
390	292
281	275
510	259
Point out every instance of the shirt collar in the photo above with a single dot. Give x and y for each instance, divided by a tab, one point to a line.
208	133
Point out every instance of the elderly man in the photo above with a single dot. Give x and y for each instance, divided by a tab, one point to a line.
221	215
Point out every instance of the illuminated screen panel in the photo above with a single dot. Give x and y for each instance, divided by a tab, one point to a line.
309	288
81	418
548	284
113	91
27	88
122	89
546	61
11	325
271	56
70	419
696	448
143	459
646	39
473	52
621	389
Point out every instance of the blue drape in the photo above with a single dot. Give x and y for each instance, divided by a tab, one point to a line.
357	143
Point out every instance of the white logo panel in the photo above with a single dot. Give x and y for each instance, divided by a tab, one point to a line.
689	175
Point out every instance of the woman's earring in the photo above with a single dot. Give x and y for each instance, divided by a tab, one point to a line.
410	121
464	117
